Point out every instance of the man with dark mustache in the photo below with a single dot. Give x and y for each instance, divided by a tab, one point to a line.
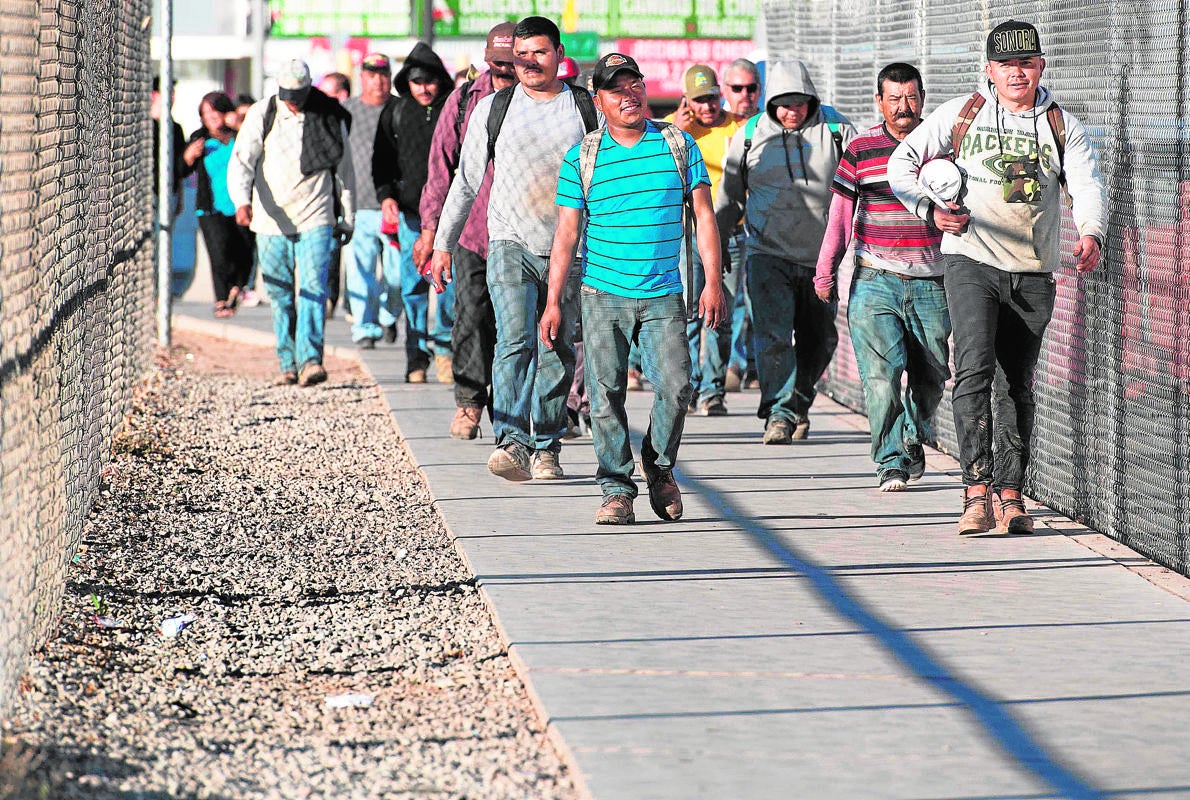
897	307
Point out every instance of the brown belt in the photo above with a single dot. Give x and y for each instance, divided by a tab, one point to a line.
865	265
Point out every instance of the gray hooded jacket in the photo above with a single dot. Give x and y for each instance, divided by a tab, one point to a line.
789	174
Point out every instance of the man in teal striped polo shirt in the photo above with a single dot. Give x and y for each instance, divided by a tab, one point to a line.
632	289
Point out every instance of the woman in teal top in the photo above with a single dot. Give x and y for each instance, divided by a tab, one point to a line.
229	245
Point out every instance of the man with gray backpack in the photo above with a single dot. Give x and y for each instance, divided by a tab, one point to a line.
641	186
525	130
780	166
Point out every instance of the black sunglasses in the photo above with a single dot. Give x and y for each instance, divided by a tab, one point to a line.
745	87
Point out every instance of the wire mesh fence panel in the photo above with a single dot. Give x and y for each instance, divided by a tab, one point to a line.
1112	442
76	281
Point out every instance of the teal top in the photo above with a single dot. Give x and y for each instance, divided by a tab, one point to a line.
634	213
215	158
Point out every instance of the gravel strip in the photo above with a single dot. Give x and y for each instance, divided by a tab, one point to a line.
292	525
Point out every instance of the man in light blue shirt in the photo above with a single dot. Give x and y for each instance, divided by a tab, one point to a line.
632	289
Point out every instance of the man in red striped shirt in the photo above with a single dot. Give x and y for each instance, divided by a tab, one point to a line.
897	308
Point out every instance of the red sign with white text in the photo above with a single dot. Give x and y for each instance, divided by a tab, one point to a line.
664	61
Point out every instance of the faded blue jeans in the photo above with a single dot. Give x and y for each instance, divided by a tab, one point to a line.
530	383
610	322
899	326
364	288
794	333
297	321
708	364
412	296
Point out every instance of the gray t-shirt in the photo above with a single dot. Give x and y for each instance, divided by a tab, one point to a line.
533	141
364	121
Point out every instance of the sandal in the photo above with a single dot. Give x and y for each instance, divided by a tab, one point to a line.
233	297
223	311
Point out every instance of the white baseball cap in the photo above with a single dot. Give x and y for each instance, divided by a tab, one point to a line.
941	179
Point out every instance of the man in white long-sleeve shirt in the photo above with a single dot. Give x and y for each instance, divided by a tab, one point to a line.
544	118
1001	241
291	179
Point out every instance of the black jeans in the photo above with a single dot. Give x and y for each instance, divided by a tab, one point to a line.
473	337
998	318
229	248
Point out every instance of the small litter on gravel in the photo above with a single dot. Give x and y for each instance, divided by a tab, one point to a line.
107	622
348	700
173	626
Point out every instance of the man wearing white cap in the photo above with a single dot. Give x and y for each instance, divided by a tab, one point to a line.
1002	245
291	179
896	310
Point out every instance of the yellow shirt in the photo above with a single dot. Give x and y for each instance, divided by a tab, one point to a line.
713	142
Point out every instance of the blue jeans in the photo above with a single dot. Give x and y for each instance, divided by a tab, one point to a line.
708	364
529	383
742	356
363	288
412	296
298	324
794	333
899	326
610	323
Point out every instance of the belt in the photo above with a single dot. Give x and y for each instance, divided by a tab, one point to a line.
865	265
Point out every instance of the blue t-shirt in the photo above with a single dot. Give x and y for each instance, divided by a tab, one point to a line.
634	209
215	159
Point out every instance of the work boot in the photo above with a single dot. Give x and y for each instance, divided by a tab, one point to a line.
465	424
801	428
665	497
416	375
311	374
917	461
734	380
778	430
510	462
715	407
390	334
616	510
977	510
893	480
444	369
286	378
1009	508
546	466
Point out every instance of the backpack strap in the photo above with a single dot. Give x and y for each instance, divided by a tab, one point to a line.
749	132
676	139
1058	126
835	123
964	120
587	153
270	116
464	91
586	107
499	110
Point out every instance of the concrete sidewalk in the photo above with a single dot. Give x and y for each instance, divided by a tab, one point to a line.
800	634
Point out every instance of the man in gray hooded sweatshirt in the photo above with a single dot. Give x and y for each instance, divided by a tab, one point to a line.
780	168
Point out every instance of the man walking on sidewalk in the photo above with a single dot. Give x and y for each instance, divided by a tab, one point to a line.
473	337
897	308
633	181
1001	240
291	179
536	123
782	164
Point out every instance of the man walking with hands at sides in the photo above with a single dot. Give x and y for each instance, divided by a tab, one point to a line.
473	337
1002	244
533	125
897	307
633	180
782	164
289	169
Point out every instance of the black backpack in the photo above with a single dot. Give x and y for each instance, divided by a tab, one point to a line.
503	98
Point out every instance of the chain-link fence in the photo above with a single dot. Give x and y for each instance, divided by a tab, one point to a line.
1112	444
76	281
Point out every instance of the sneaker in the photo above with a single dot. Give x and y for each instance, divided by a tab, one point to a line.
443	369
249	299
977	510
615	510
893	480
416	376
801	428
366	343
546	466
665	497
1009	509
734	381
752	381
715	407
390	334
286	378
311	374
465	424
634	381
917	461
510	462
778	430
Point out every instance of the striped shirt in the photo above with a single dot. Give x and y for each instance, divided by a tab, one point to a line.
887	236
634	210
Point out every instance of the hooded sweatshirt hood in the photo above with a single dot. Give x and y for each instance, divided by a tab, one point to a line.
789	77
422	57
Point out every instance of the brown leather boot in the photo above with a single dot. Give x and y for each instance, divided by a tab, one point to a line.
977	510
1010	512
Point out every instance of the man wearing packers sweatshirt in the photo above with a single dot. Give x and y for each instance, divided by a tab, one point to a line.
1001	237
